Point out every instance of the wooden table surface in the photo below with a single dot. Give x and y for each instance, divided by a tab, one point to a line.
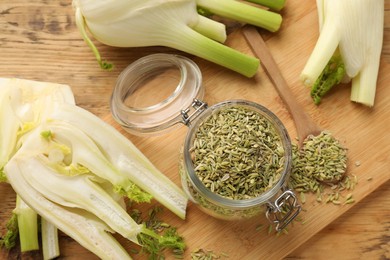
39	41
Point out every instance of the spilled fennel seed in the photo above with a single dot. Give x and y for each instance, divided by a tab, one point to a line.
304	180
203	254
320	162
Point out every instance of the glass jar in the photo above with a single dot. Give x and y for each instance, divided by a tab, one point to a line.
182	104
143	106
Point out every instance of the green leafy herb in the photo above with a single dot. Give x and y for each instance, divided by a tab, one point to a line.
332	75
10	238
157	236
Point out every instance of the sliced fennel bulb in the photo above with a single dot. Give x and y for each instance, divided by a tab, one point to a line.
24	103
169	23
68	177
86	156
353	30
366	70
124	156
86	229
78	192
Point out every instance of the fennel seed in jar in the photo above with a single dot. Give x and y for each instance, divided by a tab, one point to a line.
237	153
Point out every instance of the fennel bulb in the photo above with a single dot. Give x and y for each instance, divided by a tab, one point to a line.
170	23
125	157
71	201
76	190
350	43
73	169
23	104
85	228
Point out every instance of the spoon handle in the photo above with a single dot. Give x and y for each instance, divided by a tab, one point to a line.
303	123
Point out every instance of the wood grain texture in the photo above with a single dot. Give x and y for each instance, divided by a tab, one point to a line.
304	125
39	41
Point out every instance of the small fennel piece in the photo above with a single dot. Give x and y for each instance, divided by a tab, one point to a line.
27	226
50	243
354	28
242	12
169	23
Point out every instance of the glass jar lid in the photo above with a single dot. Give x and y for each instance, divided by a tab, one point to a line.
151	93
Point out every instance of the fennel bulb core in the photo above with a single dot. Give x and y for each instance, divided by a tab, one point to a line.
56	155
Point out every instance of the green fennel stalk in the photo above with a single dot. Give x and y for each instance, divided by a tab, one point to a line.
242	12
276	5
27	226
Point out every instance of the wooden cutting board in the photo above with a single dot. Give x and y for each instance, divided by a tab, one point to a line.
39	41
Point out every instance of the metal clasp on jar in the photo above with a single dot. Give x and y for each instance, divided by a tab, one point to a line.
198	105
283	210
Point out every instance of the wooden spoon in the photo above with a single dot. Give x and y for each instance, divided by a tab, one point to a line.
305	126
